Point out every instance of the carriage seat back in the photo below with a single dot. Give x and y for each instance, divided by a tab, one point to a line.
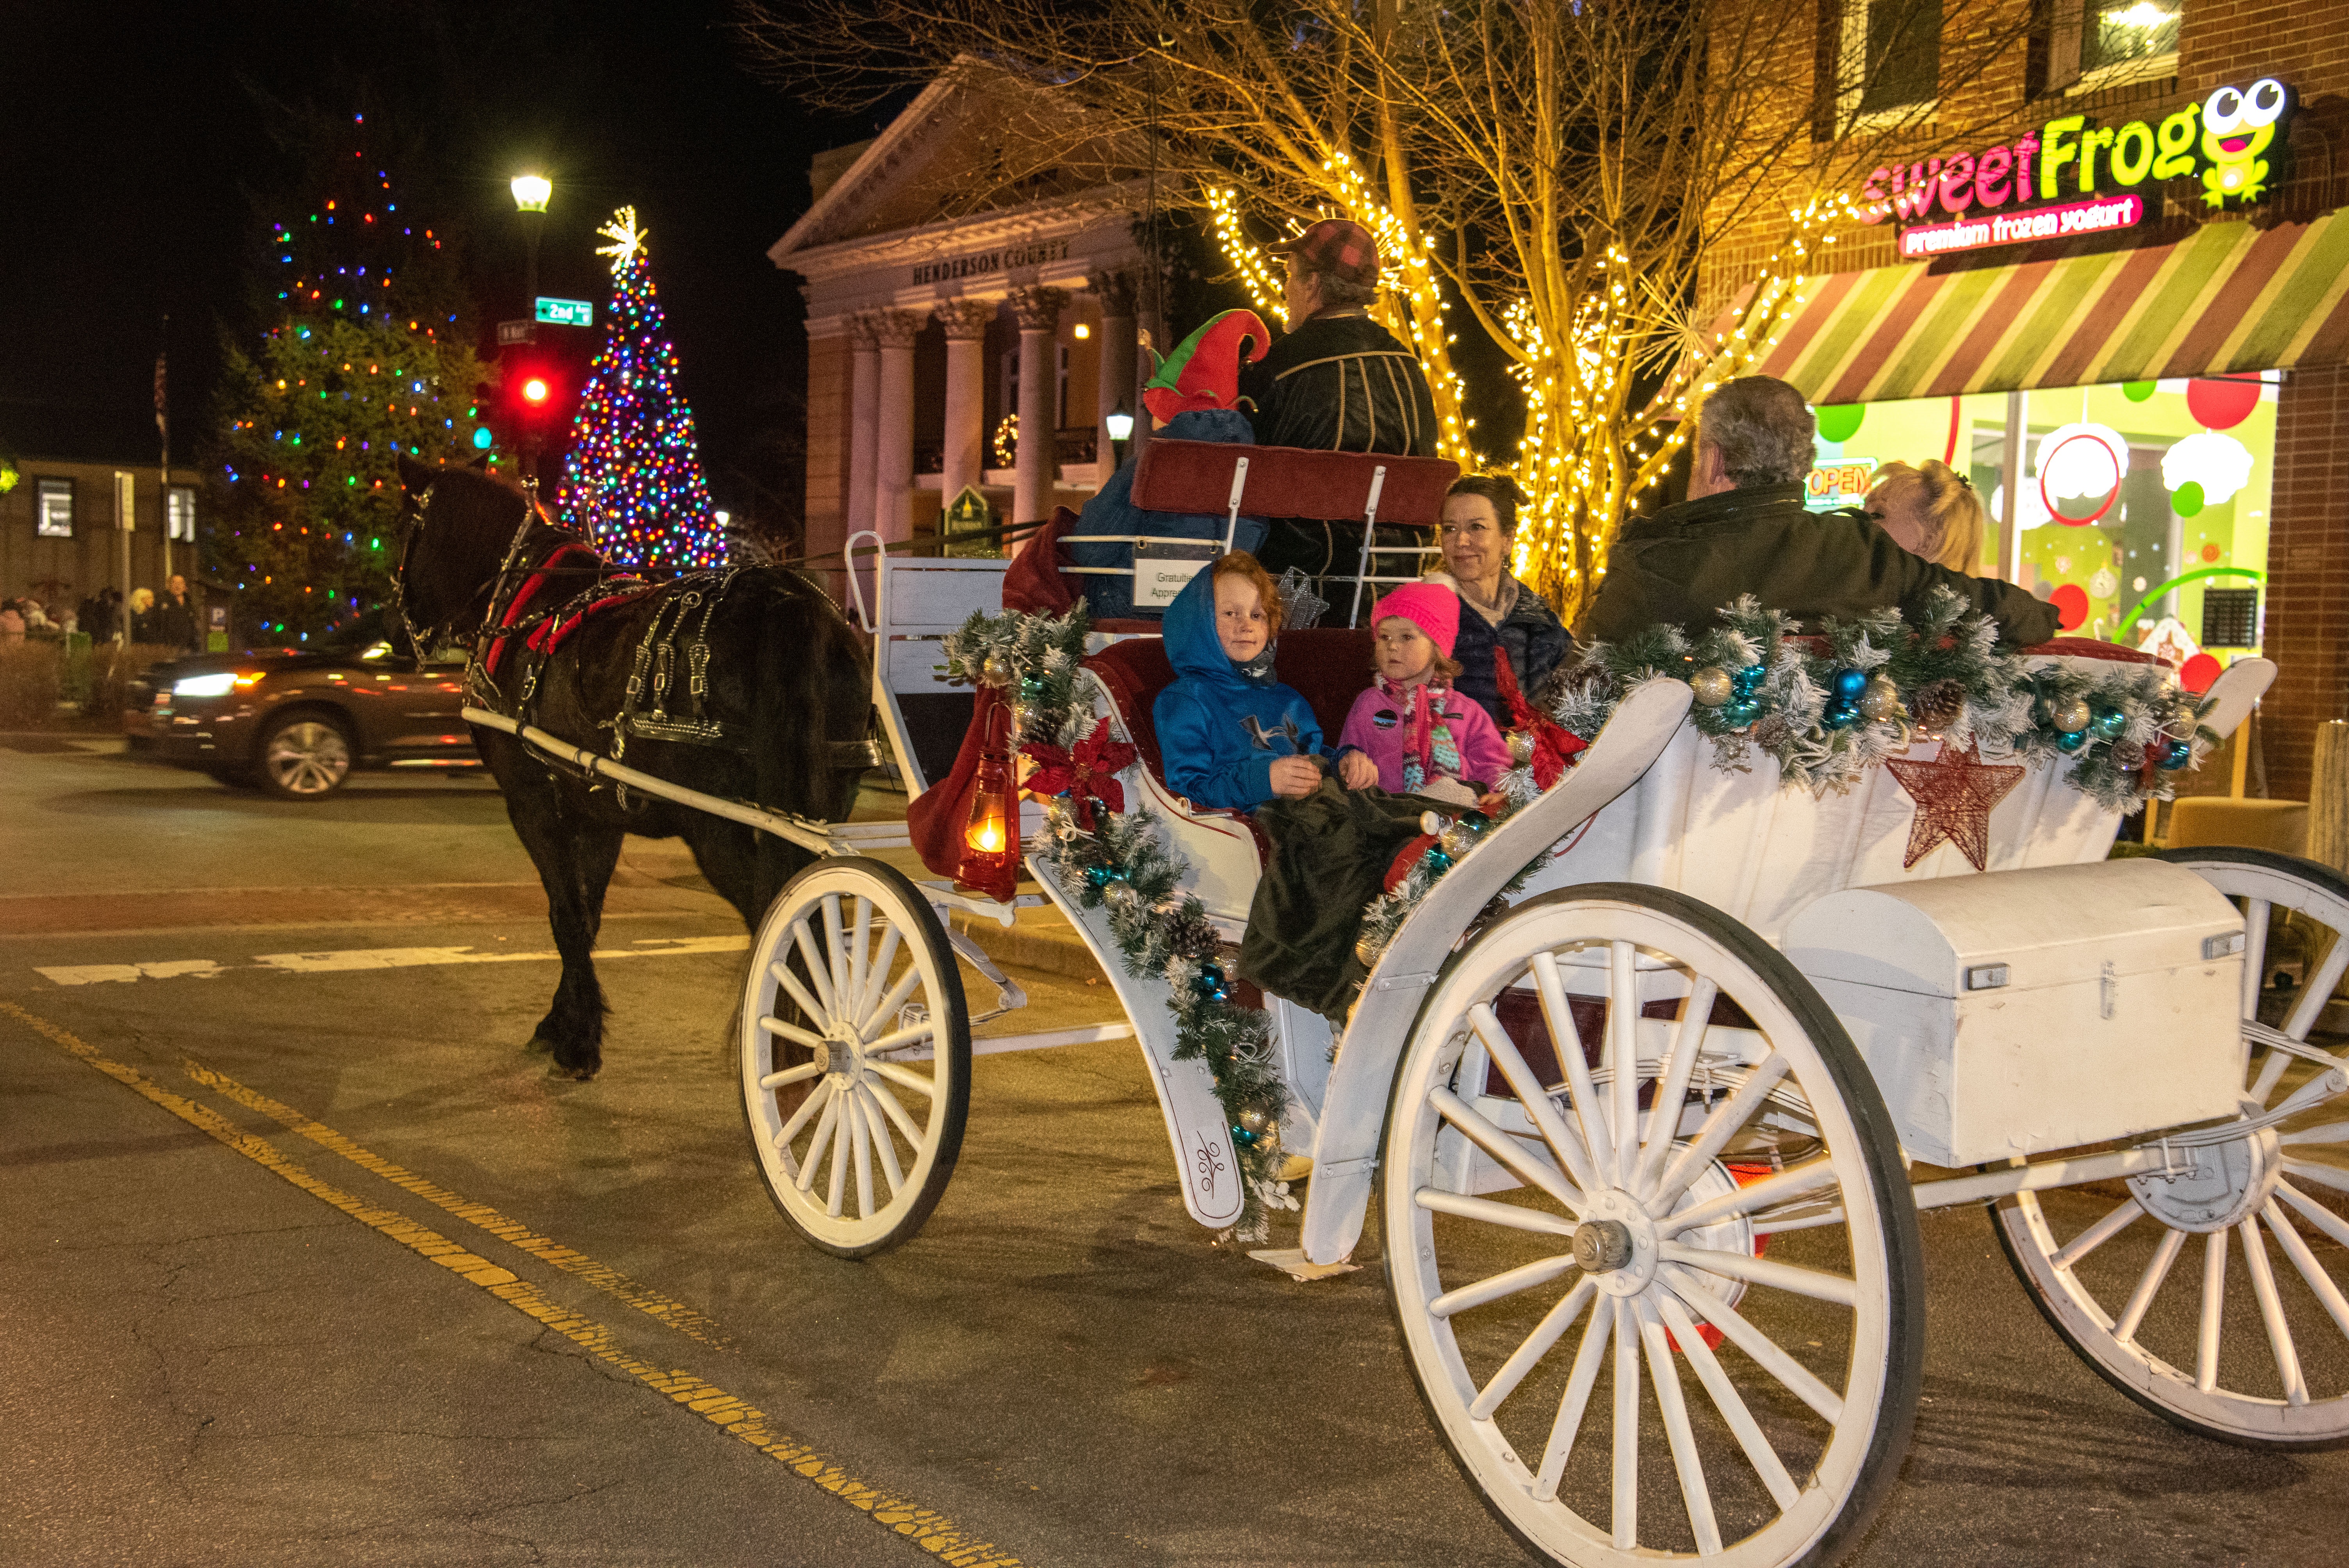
1329	665
1290	482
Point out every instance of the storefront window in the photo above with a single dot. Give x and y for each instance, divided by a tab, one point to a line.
2143	507
54	519
2086	45
1892	55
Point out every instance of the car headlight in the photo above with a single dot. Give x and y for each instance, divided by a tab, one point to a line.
206	686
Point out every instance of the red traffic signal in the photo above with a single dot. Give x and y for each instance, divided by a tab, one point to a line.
535	390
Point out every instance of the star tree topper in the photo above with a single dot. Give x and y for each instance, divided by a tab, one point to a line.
627	240
1954	794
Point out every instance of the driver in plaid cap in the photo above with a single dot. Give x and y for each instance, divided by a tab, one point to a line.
1338	381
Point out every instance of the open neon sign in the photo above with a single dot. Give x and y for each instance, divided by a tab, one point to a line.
2233	139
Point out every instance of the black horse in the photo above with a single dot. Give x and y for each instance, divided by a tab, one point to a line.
781	711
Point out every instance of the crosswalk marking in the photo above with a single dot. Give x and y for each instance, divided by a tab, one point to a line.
358	959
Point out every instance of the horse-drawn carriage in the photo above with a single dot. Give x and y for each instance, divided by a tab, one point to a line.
1651	1085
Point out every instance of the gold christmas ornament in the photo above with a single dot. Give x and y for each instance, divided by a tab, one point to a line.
994	671
1881	701
1521	746
1712	685
2071	717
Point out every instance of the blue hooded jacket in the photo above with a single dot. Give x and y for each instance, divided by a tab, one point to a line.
1110	510
1218	731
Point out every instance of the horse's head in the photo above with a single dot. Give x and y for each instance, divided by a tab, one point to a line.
456	525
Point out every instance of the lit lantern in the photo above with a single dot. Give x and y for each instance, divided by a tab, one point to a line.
987	852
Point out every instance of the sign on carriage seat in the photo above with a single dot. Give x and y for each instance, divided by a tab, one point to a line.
1163	568
1288	482
2035	1010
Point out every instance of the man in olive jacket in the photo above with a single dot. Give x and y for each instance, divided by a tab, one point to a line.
1338	382
1743	529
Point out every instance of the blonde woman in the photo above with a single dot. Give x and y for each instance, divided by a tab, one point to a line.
1931	510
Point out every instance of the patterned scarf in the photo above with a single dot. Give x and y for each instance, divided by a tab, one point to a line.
1428	748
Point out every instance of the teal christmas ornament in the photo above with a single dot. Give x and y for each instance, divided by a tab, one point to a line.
1839	715
1102	876
2176	755
2108	724
1848	686
1744	711
1749	680
2071	739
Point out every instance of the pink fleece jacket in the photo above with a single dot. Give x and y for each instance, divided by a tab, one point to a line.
1375	727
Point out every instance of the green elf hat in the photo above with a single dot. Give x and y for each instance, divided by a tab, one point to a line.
1204	371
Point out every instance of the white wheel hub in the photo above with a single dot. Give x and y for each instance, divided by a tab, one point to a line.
1617	1245
2230	1182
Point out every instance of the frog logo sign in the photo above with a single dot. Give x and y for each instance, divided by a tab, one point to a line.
2238	127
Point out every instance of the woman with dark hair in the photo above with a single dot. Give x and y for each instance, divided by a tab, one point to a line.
1479	532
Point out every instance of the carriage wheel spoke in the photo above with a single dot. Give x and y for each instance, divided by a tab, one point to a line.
888	1005
2319	1284
1672	1091
1717	1130
1524	1277
825	1126
2331	1133
860	953
792	1032
2286	1354
799	1074
1623	1052
1665	1372
898	1039
1574	1401
1798	1380
2097	1234
863	1128
1627	1428
1566	1042
2322	1175
897	1113
876	973
1792	1182
884	1147
837	1187
1541	1222
1539	1106
1732	1406
815	1101
835	947
1812	1282
2148	1285
2317	1214
2214	1308
1799	1217
1527	1356
1501	1147
819	967
790	983
2318	990
903	1077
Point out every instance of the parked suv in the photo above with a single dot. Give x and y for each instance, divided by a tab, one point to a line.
295	721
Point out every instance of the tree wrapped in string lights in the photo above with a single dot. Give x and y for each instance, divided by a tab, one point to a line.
363	356
632	480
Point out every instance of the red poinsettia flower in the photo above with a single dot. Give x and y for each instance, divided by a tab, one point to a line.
1085	776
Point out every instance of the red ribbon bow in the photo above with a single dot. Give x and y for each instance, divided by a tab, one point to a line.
1088	775
1553	744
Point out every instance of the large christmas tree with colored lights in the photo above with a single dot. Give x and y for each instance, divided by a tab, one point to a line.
366	354
632	479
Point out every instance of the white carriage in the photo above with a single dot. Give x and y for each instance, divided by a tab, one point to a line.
1649	1141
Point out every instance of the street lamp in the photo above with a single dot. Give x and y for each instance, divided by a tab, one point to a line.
529	193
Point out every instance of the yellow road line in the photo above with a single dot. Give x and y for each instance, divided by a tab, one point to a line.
611	1281
929	1529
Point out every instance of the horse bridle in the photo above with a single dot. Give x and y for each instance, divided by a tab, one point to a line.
490	595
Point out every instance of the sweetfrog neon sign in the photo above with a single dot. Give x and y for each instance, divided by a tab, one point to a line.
2233	140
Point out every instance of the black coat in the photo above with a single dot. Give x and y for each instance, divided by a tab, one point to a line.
175	622
1342	384
1532	635
1686	562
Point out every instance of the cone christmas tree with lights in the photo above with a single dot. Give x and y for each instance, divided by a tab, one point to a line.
363	356
632	480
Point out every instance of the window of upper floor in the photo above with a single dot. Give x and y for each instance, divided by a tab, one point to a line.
179	512
54	509
1887	61
2086	45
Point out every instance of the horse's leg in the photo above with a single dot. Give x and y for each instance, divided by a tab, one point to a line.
727	854
572	856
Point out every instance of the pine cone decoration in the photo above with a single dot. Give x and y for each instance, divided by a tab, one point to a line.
1937	706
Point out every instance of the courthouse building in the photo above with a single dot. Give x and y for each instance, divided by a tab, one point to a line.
972	313
2105	278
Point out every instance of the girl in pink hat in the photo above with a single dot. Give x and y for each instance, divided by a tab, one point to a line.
1410	734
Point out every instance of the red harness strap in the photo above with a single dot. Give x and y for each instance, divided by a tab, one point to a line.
532	587
550	635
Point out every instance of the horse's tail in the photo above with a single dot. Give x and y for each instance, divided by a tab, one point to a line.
811	695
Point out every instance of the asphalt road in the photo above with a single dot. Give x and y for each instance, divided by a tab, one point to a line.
303	1260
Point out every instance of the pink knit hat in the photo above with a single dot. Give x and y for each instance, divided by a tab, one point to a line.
1434	609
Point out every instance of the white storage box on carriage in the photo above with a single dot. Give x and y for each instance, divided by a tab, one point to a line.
2020	1012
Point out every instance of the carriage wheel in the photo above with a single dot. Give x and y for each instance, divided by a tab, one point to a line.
2220	1301
855	1050
1704	1338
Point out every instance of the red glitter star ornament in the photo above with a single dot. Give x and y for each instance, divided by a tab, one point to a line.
1085	776
1954	794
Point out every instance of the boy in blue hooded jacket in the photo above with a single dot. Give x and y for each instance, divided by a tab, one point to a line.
1231	735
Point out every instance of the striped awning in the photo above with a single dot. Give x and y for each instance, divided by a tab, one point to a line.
2228	297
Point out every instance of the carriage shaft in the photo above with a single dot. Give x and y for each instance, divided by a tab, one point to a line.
2154	1160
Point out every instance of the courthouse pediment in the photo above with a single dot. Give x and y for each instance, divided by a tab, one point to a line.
977	140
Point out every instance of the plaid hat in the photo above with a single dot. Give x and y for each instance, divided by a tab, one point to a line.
1432	609
1342	249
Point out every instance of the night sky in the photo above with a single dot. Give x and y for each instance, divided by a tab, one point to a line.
134	138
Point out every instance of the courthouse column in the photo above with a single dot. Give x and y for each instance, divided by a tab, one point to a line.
1038	310
1116	382
864	423
893	462
965	320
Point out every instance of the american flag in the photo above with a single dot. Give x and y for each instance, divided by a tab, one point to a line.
162	412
